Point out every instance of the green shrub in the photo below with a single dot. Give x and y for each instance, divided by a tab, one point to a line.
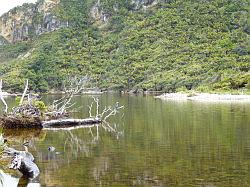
40	104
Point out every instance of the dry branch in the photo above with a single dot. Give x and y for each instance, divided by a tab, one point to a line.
23	161
107	111
1	97
72	87
24	92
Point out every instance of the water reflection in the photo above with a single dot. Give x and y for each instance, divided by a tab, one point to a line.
23	135
74	145
156	144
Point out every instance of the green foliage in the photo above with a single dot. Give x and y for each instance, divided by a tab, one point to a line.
178	45
40	104
17	100
11	51
37	103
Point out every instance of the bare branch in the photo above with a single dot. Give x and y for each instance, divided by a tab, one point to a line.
90	109
58	102
24	92
1	97
113	111
74	86
69	106
106	110
97	106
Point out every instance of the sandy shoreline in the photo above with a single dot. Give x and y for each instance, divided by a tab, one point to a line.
206	97
5	94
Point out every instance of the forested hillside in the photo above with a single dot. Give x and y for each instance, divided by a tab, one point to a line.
170	46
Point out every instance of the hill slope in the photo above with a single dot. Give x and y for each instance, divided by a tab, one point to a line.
151	45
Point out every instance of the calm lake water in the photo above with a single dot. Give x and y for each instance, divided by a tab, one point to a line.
150	143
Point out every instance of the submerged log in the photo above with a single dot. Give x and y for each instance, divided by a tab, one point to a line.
70	122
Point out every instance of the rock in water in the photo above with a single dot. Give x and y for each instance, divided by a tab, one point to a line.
51	148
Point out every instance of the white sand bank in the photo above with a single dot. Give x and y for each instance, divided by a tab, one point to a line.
5	94
204	97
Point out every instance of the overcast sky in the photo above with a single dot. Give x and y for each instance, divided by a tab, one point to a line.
6	5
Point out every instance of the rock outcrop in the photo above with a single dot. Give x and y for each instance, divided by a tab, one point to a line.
98	13
101	15
23	22
143	4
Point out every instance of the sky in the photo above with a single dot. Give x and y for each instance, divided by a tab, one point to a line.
6	5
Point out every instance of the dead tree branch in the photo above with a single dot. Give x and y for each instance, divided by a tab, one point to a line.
107	111
96	100
72	87
111	111
90	110
1	97
24	92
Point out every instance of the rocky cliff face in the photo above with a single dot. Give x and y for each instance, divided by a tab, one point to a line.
138	4
98	13
22	22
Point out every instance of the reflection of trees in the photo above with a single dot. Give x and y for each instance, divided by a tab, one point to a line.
183	142
72	146
22	135
165	144
173	144
77	144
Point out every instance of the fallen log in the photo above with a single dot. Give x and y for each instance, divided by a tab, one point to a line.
70	122
10	122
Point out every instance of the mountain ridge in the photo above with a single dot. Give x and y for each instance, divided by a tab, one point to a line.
144	44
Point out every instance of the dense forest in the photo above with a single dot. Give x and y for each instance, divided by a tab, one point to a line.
169	46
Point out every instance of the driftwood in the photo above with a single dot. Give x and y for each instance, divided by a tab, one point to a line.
70	122
26	122
26	110
23	161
